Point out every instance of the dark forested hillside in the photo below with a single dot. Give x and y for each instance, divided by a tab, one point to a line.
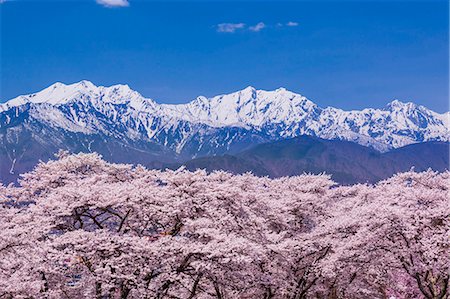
347	162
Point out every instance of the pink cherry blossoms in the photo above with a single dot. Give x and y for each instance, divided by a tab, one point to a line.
80	227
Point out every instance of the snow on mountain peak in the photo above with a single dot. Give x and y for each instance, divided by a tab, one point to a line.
60	94
278	113
85	84
281	89
400	105
245	107
248	89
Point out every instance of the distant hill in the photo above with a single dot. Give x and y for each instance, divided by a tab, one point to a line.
347	162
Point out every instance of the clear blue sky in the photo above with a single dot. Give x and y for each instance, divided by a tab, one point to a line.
345	54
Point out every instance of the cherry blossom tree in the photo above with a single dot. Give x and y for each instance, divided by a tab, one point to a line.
79	227
391	239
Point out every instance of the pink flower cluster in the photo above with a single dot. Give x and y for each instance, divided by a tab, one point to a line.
80	227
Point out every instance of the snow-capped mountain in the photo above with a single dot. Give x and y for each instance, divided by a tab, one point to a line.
281	113
86	117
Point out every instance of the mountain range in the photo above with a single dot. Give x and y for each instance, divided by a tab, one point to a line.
124	126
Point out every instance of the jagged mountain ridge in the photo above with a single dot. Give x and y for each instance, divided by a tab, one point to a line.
84	107
120	123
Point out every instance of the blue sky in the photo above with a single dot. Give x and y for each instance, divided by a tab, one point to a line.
351	54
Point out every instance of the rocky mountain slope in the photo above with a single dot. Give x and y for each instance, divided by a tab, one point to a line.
123	125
